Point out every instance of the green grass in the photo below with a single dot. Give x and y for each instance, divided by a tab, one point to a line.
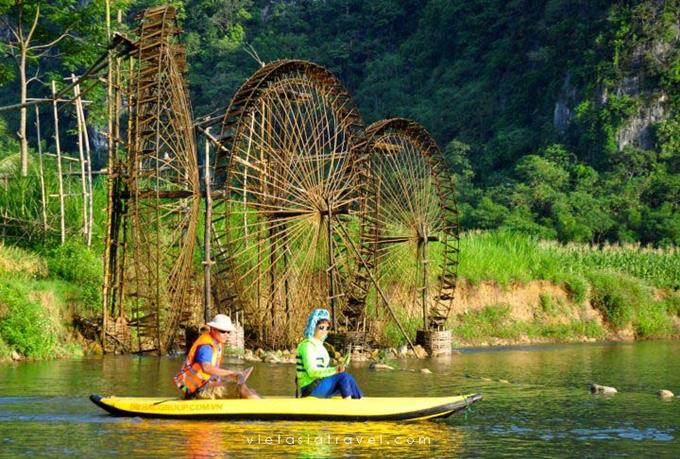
495	321
36	306
620	281
507	258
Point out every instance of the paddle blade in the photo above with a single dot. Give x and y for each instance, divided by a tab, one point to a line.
243	377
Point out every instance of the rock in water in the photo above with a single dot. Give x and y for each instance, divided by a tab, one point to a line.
425	370
380	366
420	352
663	393
271	357
606	390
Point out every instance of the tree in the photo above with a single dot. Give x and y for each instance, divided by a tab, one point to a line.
34	30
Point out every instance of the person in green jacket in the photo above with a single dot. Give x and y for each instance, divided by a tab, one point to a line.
314	376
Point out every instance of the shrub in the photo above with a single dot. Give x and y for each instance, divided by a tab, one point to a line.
652	320
5	351
547	304
617	296
26	327
74	262
492	320
577	288
672	305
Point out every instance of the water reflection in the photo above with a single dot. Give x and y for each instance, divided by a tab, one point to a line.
300	439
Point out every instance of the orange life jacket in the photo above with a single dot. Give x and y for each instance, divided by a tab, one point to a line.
192	377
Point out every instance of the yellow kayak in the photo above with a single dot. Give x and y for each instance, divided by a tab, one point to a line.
289	408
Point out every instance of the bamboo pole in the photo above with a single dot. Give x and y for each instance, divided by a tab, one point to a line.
120	246
206	237
88	159
83	176
109	184
60	179
40	169
331	262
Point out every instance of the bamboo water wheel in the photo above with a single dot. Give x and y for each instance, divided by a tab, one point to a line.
410	220
156	198
287	172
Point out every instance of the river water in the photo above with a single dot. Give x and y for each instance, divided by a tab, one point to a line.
536	404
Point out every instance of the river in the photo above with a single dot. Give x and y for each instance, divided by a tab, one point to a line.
536	404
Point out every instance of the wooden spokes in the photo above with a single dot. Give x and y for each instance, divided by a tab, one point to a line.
289	173
411	222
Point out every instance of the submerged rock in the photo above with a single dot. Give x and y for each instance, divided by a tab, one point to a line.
380	366
664	393
426	371
605	390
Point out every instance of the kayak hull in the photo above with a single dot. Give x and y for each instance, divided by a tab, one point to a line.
288	408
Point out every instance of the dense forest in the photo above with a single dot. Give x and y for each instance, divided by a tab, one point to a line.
560	118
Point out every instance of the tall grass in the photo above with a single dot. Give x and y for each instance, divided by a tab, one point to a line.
658	266
507	257
21	201
619	280
39	293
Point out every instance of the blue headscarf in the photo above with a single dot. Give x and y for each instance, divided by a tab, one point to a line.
314	318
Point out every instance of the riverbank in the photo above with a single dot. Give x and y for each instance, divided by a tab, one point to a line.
513	289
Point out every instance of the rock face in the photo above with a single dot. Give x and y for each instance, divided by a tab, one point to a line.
604	390
562	114
664	394
638	129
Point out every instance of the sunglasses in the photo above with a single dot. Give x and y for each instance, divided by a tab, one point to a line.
324	327
228	332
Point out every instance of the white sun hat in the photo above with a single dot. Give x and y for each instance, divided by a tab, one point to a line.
222	322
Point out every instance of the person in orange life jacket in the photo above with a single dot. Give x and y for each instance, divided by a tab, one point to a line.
314	376
201	377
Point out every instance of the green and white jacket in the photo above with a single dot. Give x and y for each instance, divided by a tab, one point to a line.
312	362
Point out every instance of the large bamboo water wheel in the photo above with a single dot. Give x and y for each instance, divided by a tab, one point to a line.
410	226
287	172
160	192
